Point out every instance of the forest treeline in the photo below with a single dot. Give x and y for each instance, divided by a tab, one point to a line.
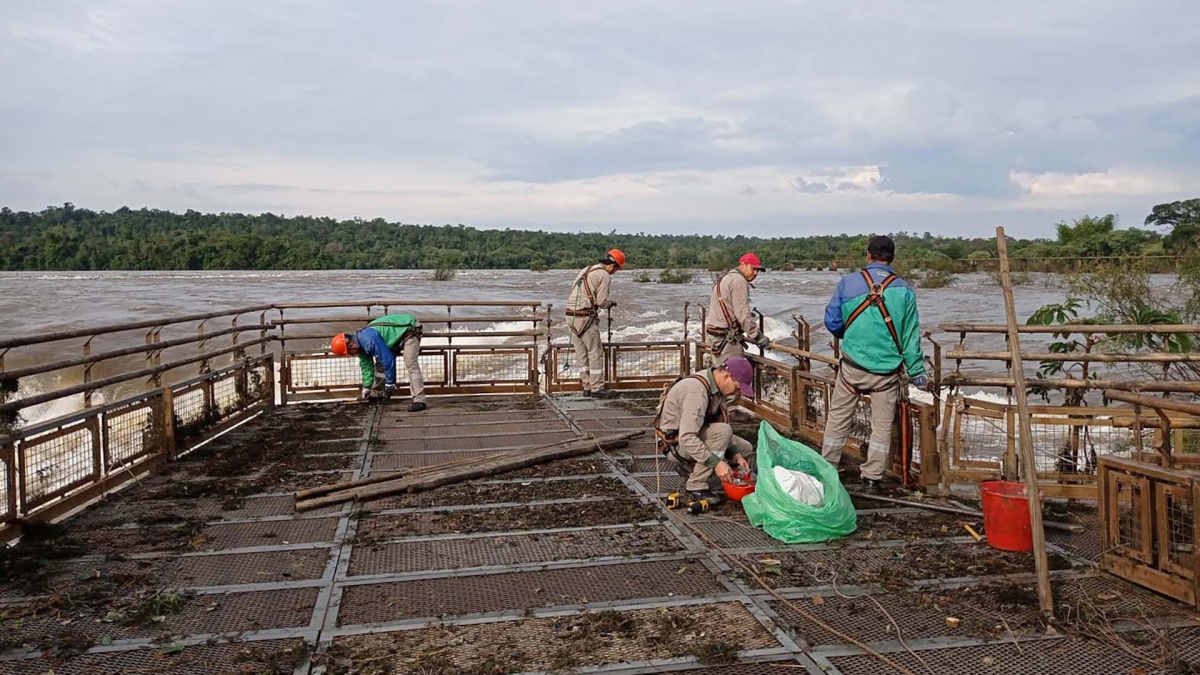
70	238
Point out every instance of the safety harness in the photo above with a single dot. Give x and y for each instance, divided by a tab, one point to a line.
733	330
666	440
414	330
875	299
590	294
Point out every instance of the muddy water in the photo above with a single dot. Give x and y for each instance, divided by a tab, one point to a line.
34	302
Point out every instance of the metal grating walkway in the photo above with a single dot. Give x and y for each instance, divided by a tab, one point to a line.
206	569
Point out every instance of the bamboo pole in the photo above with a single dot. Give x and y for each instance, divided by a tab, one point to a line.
442	475
1025	439
1157	403
803	354
1077	358
954	379
1111	329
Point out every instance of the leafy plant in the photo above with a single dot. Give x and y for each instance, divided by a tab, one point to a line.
1064	313
445	274
642	277
673	276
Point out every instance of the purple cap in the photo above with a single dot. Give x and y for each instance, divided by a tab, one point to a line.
743	372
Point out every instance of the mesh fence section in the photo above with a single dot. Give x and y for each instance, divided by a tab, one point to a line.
258	381
190	406
1130	515
1179	518
6	492
774	388
977	441
564	369
1063	447
56	462
323	372
226	397
508	366
647	362
132	432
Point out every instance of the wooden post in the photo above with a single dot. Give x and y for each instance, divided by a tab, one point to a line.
168	423
1025	439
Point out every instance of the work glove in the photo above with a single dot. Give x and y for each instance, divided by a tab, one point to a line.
365	395
608	304
763	343
388	390
920	382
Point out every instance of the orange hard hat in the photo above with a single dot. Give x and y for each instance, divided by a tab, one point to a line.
617	256
338	345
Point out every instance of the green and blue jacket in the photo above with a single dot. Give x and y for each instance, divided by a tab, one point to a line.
867	342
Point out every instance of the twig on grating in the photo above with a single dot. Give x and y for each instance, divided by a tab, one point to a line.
832	582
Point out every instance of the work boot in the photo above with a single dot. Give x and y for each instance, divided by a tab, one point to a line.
416	406
872	486
604	393
587	394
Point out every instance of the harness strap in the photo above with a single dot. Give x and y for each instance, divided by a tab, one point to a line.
730	321
667	441
875	299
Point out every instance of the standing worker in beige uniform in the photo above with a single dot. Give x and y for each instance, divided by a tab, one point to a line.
730	321
589	295
692	427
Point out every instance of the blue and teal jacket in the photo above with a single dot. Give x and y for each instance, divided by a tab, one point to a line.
381	339
867	342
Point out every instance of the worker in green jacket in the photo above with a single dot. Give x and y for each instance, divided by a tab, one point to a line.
383	340
874	313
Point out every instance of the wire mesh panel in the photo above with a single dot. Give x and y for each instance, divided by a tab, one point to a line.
54	463
977	436
8	491
493	366
190	407
773	388
313	372
132	432
640	363
1176	529
226	394
1131	505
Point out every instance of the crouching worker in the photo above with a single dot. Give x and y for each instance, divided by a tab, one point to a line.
383	340
692	427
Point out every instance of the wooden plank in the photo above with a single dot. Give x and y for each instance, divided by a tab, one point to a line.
1148	577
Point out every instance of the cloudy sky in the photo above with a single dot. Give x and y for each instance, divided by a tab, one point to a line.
768	118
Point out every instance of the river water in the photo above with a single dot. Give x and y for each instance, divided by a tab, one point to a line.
37	302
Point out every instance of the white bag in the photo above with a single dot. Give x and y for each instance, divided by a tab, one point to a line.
800	486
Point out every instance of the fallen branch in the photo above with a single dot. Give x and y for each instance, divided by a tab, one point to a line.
438	476
1049	525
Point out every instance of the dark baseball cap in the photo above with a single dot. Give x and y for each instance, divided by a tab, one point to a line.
743	372
882	247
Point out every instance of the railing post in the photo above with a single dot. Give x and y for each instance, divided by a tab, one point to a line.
167	423
203	368
8	454
87	373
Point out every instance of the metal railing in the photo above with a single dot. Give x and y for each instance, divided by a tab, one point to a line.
52	468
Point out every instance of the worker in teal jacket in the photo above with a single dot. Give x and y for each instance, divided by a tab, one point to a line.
382	341
874	313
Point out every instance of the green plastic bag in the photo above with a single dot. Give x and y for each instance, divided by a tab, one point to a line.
782	516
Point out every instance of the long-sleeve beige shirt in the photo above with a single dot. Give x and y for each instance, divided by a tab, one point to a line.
735	291
599	280
692	403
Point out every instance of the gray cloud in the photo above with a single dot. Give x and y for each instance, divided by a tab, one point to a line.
279	103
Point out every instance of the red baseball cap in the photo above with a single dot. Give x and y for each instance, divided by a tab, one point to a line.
753	261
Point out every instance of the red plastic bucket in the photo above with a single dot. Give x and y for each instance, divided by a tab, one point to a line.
1006	515
743	485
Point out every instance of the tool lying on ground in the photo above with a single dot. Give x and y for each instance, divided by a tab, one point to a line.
425	478
681	500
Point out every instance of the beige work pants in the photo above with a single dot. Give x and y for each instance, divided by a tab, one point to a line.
416	381
589	352
721	440
884	391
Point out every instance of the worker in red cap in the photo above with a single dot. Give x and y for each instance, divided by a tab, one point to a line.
589	295
730	321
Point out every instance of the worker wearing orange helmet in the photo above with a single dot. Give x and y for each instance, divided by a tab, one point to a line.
730	321
589	295
383	340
